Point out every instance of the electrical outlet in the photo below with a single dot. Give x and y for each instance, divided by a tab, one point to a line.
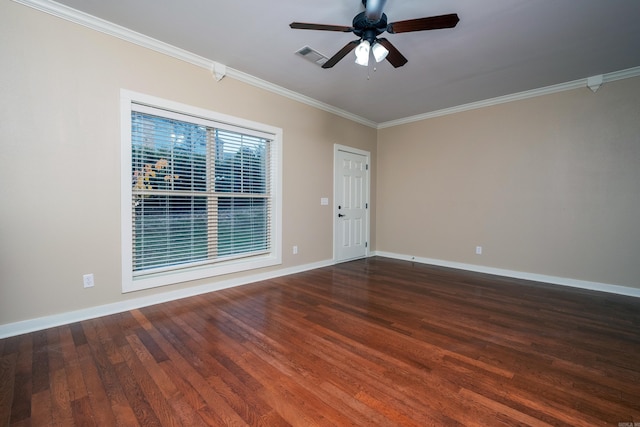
87	279
295	250
478	250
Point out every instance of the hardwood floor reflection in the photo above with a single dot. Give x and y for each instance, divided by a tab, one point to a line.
371	342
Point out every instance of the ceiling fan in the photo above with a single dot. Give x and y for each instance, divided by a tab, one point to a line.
368	25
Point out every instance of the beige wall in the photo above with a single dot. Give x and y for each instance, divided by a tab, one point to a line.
60	158
548	185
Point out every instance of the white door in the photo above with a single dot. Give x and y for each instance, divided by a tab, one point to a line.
351	208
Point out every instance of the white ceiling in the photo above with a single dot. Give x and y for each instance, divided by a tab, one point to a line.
500	47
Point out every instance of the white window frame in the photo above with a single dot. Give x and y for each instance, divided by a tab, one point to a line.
128	102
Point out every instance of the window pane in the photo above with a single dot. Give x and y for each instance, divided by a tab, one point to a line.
169	230
168	154
243	225
241	163
178	217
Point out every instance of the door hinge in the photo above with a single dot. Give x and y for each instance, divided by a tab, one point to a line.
366	244
367	166
366	205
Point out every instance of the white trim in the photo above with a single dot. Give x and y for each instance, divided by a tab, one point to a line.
263	84
621	75
576	84
90	21
367	154
41	323
130	101
32	325
106	27
553	280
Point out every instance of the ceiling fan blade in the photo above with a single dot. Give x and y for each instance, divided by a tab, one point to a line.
373	10
341	54
322	27
421	24
394	57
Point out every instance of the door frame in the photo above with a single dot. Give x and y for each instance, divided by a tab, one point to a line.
337	148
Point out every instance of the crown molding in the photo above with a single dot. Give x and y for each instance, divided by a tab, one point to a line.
621	75
263	84
123	33
106	27
576	84
67	13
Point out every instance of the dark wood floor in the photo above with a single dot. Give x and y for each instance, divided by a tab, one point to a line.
374	342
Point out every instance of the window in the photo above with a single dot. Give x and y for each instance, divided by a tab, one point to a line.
200	193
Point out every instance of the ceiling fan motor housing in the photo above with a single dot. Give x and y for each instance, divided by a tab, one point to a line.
368	25
367	30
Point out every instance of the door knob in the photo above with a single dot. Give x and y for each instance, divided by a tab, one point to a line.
340	215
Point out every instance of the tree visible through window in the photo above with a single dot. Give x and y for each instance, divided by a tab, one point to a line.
200	194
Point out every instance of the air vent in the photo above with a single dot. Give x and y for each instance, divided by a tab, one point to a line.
312	55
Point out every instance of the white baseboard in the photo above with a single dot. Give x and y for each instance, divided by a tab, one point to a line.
574	283
38	324
32	325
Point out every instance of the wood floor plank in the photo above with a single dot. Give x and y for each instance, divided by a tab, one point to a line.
41	414
7	377
77	332
231	388
109	338
82	412
103	357
152	394
370	342
77	388
182	367
143	412
236	393
56	359
362	381
22	386
101	410
500	408
61	411
160	378
40	363
186	389
187	415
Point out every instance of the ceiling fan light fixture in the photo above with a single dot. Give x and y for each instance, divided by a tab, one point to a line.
362	53
370	24
379	52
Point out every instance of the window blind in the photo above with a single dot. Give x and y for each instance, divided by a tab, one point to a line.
201	193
